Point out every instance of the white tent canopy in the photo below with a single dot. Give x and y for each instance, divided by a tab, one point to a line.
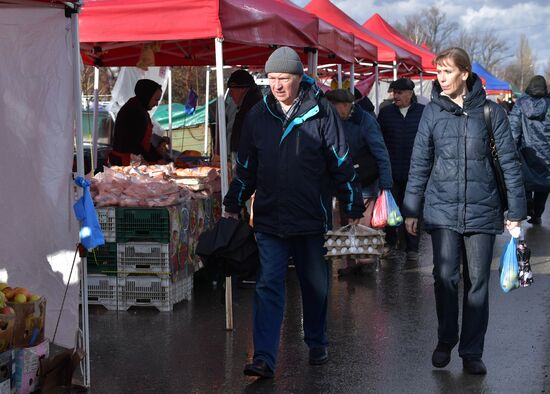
38	233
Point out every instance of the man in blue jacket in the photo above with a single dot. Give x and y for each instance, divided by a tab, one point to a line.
399	123
292	151
369	156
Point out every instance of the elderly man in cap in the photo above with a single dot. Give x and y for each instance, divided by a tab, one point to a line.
292	153
399	123
369	156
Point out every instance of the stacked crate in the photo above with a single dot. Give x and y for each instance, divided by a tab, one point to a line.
133	267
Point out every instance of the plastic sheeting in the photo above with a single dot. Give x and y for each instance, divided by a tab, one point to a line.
38	232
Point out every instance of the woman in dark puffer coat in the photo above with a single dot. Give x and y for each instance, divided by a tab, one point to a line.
452	177
530	123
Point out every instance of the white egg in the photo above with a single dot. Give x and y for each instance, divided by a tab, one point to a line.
344	250
347	242
370	249
366	241
334	251
330	242
360	249
375	241
338	242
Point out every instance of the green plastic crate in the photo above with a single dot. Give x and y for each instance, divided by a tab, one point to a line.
103	259
142	225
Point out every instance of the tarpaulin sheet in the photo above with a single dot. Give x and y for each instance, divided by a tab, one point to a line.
38	231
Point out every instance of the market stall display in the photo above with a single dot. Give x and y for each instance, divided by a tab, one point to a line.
151	226
355	240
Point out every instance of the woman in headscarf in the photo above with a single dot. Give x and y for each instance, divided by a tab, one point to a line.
133	126
452	178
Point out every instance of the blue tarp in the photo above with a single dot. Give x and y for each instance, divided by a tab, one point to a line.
491	82
179	117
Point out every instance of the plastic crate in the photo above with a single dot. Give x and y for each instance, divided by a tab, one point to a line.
181	290
142	224
145	291
103	259
143	257
107	222
103	290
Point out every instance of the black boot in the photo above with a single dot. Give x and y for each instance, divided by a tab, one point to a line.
442	354
474	366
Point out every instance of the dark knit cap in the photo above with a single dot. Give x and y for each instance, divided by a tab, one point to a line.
144	90
340	96
240	79
284	60
402	84
537	87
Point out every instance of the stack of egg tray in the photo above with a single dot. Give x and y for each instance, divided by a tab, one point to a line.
355	241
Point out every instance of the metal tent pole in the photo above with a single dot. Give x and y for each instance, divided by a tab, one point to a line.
352	77
339	76
206	112
376	88
96	119
394	70
223	164
77	96
421	85
170	133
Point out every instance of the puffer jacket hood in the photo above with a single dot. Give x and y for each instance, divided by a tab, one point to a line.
475	97
452	184
534	108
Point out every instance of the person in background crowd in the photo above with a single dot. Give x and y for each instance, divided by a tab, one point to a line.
369	156
363	102
451	177
501	100
530	123
245	94
388	100
133	126
399	124
292	152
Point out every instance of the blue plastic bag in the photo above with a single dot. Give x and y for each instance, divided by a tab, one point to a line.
90	231
394	215
509	267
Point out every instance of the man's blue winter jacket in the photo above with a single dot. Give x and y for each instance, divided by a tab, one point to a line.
291	165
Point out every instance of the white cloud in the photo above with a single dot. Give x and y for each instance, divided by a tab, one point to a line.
506	18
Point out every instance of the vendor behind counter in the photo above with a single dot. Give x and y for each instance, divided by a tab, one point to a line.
133	126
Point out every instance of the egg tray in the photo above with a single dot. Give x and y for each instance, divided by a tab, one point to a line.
354	240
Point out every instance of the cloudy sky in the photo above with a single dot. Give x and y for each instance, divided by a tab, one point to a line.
508	18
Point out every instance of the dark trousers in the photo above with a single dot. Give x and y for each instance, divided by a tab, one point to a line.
536	201
476	253
394	234
269	300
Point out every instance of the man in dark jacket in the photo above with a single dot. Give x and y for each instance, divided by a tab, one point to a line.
291	152
245	94
399	124
133	126
369	156
530	124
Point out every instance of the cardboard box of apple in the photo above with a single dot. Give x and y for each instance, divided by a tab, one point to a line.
28	312
7	324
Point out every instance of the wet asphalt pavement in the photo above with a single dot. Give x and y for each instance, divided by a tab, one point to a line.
382	330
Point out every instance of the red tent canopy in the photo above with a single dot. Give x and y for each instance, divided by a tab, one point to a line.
344	44
378	25
113	32
387	52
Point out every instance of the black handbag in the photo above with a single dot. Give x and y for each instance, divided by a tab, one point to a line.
495	163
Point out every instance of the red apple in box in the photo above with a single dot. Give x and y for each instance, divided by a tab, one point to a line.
21	290
8	292
7	310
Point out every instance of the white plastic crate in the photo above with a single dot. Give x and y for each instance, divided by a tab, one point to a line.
107	221
103	290
143	257
181	290
145	291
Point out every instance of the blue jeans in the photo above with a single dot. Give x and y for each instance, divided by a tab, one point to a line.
269	301
476	252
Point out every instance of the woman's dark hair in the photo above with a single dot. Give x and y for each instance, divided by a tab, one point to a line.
459	57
